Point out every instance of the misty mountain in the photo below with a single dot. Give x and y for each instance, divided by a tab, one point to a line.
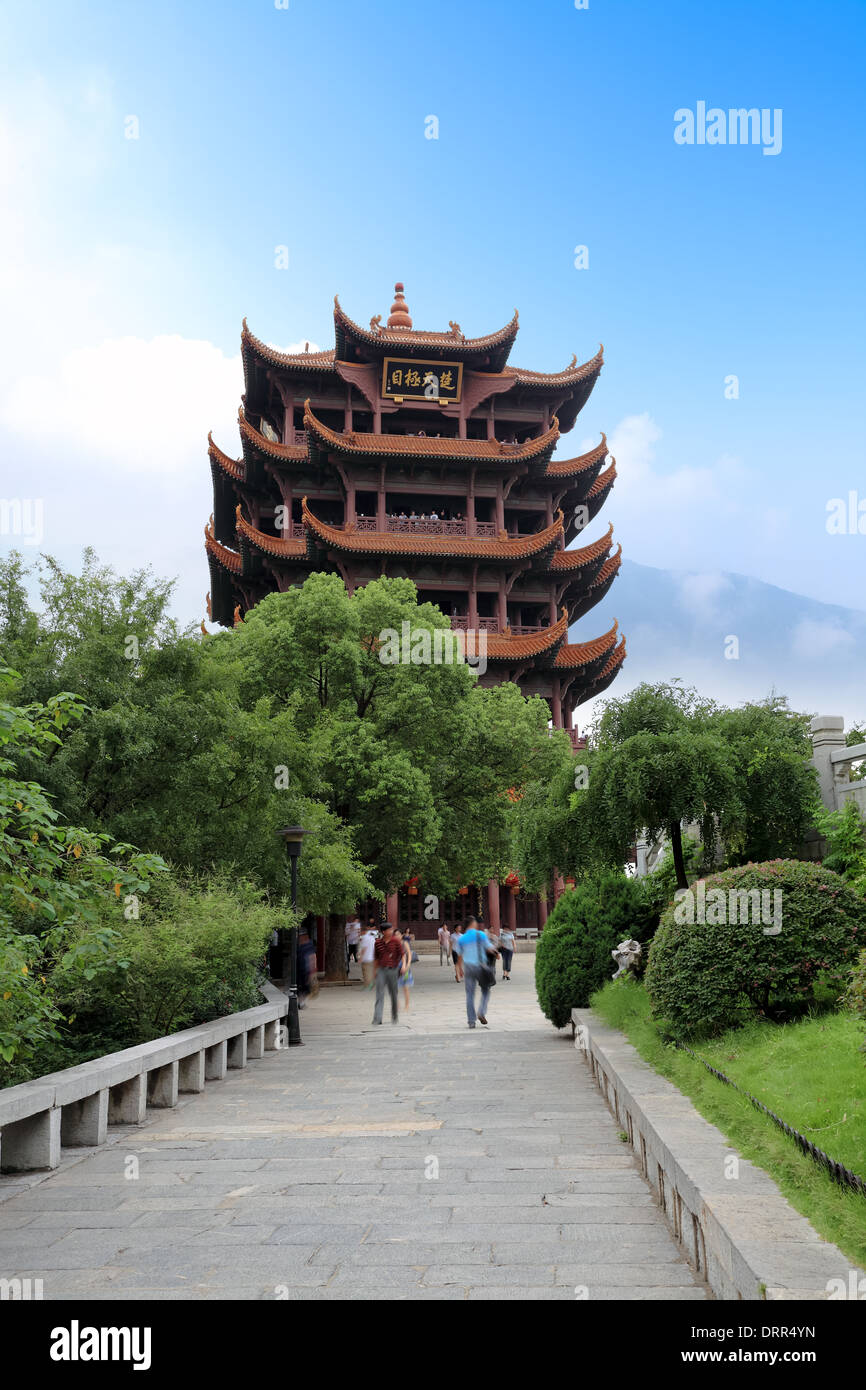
735	638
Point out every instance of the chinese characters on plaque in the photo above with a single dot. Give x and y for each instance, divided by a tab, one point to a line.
409	379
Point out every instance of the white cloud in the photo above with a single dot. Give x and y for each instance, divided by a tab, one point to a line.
699	594
814	642
138	405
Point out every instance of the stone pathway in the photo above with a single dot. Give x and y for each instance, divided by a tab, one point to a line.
416	1161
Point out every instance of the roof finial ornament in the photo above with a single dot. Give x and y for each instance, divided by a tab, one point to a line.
375	323
573	362
399	317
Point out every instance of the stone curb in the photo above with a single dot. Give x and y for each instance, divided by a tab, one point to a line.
740	1234
74	1107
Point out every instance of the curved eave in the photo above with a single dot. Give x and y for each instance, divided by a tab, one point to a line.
598	493
604	482
566	561
571	468
572	656
453	547
272	546
233	468
528	646
284	453
491	451
230	560
290	361
497	344
608	673
609	570
556	381
594	589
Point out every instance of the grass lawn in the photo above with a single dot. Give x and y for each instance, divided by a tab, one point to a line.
810	1073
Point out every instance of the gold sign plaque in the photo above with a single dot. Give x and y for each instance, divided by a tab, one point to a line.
413	380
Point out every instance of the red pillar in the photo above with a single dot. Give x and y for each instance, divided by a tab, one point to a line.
381	524
320	943
473	605
502	605
511	910
393	909
493	905
558	887
556	705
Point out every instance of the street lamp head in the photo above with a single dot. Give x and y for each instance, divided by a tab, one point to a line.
293	835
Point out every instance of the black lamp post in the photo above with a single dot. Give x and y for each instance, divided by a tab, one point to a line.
293	835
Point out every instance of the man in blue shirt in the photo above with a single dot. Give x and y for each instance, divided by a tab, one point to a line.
474	946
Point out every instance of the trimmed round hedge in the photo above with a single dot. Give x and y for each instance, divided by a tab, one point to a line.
708	970
573	955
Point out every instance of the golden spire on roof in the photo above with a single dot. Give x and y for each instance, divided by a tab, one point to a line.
399	317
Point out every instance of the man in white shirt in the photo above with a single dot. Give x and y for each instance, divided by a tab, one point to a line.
368	952
353	936
444	943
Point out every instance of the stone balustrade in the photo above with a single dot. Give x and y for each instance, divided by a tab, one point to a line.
832	759
73	1108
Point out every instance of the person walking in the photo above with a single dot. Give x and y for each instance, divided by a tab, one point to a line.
476	949
444	943
405	977
456	945
387	955
506	951
353	936
366	953
308	977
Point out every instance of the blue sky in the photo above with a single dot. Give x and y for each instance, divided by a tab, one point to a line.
126	266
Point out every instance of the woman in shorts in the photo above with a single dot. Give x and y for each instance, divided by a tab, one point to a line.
405	979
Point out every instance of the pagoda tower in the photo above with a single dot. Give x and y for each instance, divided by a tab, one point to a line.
424	455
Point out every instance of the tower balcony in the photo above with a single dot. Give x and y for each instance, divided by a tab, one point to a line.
462	624
425	527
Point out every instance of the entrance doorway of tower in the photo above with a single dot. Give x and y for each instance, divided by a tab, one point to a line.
413	910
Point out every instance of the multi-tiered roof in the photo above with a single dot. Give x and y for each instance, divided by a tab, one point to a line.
426	455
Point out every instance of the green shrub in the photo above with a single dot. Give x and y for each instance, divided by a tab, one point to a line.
706	975
573	956
845	833
192	954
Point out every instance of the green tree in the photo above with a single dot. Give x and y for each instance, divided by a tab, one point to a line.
777	787
54	879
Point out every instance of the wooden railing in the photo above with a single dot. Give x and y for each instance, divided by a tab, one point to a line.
482	625
398	525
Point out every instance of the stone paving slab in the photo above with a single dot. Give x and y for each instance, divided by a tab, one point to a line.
415	1162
